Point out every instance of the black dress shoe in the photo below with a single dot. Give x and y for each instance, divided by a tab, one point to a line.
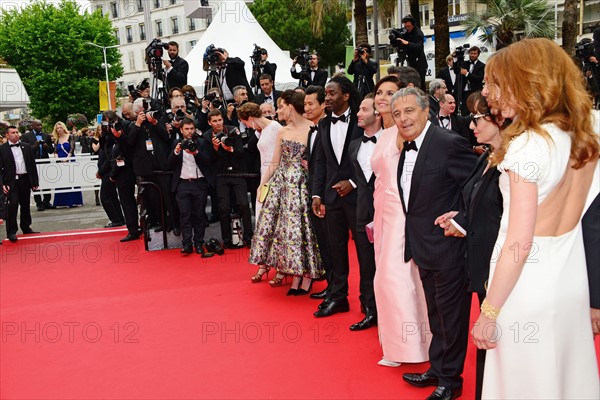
29	231
176	231
369	321
114	224
130	237
421	380
49	206
187	249
292	292
324	304
333	307
40	207
444	393
319	295
158	228
12	238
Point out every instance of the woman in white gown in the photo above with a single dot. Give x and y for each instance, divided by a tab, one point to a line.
535	319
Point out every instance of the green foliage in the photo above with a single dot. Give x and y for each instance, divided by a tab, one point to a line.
290	27
45	43
512	20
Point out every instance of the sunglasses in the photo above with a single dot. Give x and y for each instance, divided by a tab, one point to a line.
475	117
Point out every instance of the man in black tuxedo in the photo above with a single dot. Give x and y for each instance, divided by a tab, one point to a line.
414	47
437	89
363	69
448	119
448	75
176	68
361	150
591	240
333	188
433	166
190	186
231	74
263	68
18	175
313	76
472	73
268	93
42	148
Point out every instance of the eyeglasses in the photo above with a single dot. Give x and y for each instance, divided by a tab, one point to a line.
475	117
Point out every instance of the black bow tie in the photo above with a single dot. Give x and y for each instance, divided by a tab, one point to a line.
408	146
446	117
366	139
334	120
313	129
14	145
268	97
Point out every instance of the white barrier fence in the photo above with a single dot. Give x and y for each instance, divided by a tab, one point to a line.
60	176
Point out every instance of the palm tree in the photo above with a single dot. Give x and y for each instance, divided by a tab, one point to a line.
569	26
507	21
318	8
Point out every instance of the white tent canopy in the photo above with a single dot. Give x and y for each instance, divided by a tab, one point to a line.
235	29
12	92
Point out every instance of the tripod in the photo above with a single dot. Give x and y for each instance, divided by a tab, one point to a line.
459	87
213	80
156	92
256	75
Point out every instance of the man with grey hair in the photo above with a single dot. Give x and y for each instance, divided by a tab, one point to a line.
437	88
433	167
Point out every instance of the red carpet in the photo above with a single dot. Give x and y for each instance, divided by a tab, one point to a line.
85	316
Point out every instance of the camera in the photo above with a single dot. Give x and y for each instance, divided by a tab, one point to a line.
257	54
153	114
303	57
133	92
190	102
214	99
107	126
584	50
177	116
214	246
360	51
189	144
227	137
459	57
396	34
210	54
154	53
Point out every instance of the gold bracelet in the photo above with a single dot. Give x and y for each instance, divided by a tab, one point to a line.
489	311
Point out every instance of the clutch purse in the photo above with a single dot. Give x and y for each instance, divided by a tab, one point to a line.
264	192
369	230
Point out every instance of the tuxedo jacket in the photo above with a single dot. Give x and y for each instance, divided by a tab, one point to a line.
266	68
591	240
310	155
460	125
475	78
146	162
480	214
29	137
260	98
235	75
452	87
8	168
444	162
365	209
178	75
223	158
305	79
328	171
205	157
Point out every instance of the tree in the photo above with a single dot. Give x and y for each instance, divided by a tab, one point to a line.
442	33
569	27
506	21
45	43
290	27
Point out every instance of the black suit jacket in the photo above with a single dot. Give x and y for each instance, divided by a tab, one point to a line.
205	157
266	68
47	148
591	240
225	159
235	75
178	75
328	171
475	78
452	87
365	209
260	98
305	79
480	215
460	125
8	169
363	73
443	163
144	161
310	155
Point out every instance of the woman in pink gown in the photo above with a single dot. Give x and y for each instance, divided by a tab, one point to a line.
401	309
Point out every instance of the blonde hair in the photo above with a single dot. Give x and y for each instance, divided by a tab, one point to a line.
55	133
543	85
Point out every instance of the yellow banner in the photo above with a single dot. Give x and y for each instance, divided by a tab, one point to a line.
104	97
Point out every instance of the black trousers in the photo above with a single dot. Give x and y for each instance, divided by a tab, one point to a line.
18	197
110	200
226	185
366	262
341	218
191	199
448	312
39	199
126	190
320	227
480	358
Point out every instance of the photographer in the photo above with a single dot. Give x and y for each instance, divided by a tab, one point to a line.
260	67
227	176
212	101
363	69
268	93
176	68
116	171
150	141
230	71
310	74
472	71
42	147
412	41
190	159
173	119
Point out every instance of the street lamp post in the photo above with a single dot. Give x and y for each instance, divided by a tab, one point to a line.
105	68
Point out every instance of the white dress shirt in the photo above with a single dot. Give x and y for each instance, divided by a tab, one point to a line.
189	168
20	166
365	151
338	132
409	165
